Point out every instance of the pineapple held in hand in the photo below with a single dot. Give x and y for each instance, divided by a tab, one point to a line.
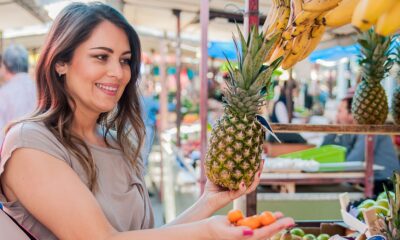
370	104
235	147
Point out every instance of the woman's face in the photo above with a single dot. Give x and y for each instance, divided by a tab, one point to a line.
99	70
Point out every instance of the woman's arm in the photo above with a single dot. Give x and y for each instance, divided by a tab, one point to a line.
52	192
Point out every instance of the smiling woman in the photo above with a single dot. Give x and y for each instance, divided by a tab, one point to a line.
73	170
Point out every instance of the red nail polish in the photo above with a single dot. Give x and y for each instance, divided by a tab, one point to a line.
243	184
259	173
247	232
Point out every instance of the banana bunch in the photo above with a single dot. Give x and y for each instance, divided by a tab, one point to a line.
363	14
304	30
340	15
384	14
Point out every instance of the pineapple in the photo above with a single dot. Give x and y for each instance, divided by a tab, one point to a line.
236	140
370	105
396	94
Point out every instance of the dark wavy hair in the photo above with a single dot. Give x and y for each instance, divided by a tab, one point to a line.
72	27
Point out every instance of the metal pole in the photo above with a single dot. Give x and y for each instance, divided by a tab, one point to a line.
369	163
289	95
249	203
1	41
204	18
177	13
163	107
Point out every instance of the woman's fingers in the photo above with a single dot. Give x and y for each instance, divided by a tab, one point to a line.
270	230
256	181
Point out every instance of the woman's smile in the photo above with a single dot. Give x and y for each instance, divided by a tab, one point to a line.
108	88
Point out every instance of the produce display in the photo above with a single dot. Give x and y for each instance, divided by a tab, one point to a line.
381	205
299	234
370	105
386	208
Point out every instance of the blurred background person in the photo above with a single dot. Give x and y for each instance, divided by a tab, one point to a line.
18	91
280	114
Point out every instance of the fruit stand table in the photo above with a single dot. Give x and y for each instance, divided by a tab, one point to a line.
365	177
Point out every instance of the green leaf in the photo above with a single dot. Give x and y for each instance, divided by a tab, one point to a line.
242	41
238	54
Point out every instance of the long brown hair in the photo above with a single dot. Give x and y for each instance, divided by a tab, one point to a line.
73	26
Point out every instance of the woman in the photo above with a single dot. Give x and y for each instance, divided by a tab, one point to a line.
65	174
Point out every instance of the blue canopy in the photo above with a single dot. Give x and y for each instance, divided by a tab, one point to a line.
338	52
334	53
217	50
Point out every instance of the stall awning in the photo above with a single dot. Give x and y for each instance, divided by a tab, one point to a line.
217	50
334	53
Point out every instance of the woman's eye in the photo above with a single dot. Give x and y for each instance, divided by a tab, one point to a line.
126	61
101	57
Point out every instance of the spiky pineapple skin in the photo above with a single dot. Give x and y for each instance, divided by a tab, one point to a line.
235	151
396	105
370	104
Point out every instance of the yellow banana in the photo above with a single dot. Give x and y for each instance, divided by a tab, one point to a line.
374	9
316	34
305	17
298	45
320	19
341	15
389	22
317	30
295	9
284	16
357	18
282	49
287	35
320	5
283	12
271	16
280	24
297	30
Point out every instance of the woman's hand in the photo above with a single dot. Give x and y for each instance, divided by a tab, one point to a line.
217	198
220	228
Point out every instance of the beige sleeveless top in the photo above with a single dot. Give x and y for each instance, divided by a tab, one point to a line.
121	192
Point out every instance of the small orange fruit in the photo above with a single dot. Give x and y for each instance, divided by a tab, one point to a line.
267	218
235	215
252	222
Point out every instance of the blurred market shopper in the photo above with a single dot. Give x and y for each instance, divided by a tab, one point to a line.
70	171
384	151
18	92
280	114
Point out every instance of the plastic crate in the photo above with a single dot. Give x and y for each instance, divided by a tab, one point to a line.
323	154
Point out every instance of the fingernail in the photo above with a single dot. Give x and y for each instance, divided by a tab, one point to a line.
242	184
247	232
259	173
291	225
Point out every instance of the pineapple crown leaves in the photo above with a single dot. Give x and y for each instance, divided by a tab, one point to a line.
251	69
376	55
